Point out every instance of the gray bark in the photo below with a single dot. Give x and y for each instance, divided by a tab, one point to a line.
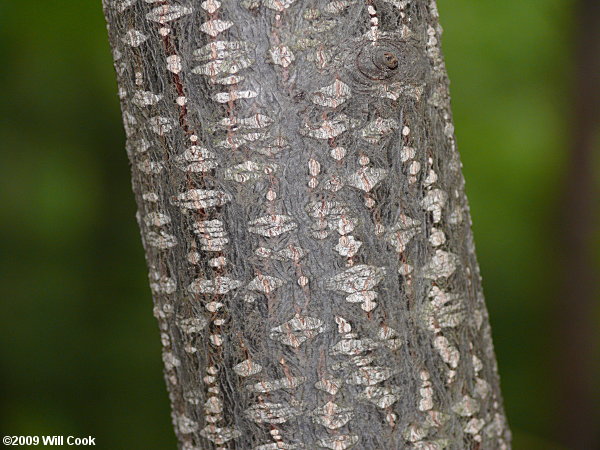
302	209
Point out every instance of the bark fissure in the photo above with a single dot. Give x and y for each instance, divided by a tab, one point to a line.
303	214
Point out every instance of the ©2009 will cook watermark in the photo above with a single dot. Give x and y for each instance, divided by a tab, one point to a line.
49	440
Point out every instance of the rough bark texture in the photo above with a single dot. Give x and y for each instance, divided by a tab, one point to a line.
302	209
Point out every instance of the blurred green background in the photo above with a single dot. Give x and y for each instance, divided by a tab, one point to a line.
80	349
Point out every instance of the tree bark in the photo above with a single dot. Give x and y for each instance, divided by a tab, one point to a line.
578	353
302	209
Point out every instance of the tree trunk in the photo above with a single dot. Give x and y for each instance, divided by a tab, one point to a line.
575	336
302	209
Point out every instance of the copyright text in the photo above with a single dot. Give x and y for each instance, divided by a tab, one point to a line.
49	440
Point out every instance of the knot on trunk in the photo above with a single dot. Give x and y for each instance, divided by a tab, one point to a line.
387	60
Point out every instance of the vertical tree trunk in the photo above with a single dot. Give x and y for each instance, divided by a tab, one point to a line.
578	353
308	238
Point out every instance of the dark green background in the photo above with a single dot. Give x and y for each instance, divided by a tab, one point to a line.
80	350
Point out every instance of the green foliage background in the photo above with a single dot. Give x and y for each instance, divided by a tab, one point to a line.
80	350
